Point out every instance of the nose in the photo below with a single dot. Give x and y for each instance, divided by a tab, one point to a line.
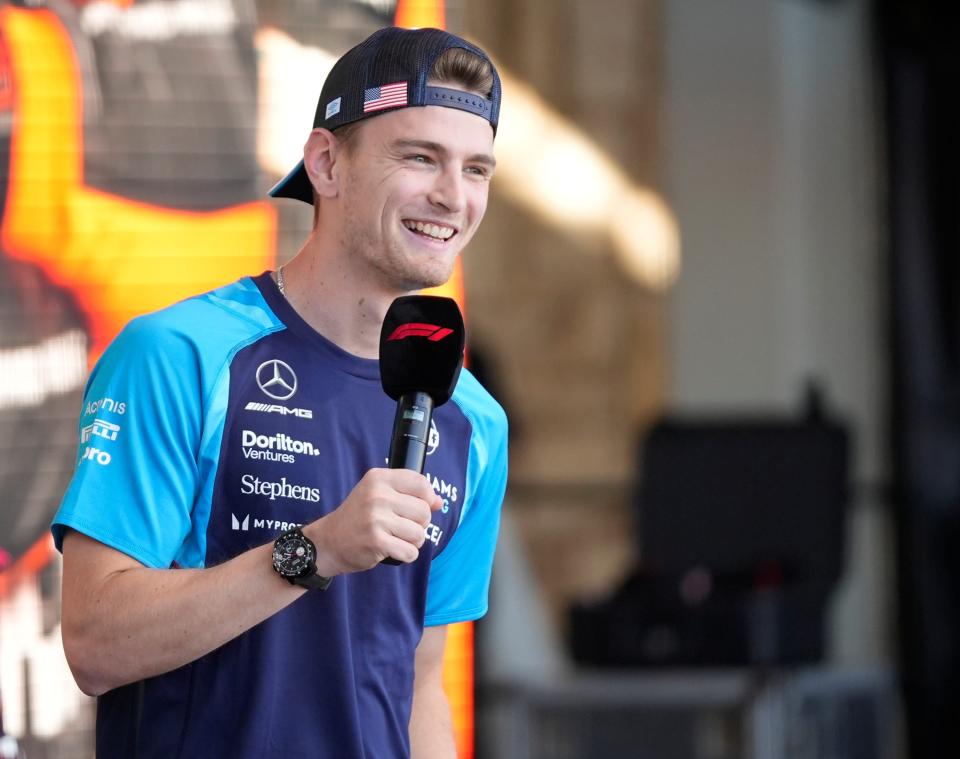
448	190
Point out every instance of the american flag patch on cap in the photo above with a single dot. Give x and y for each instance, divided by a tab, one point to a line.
384	96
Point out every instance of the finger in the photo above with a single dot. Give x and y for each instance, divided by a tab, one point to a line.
412	483
410	532
401	550
437	503
413	508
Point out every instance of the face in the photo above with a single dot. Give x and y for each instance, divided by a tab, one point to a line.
414	190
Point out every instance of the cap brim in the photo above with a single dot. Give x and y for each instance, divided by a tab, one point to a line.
294	185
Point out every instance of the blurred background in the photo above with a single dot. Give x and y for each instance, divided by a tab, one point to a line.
716	290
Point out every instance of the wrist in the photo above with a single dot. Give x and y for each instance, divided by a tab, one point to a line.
327	563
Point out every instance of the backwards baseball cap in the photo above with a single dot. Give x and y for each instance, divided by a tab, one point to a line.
386	71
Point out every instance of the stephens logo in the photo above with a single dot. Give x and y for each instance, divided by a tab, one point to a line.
277	379
277	447
250	485
432	332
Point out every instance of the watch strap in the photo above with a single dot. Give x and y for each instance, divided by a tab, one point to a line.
312	581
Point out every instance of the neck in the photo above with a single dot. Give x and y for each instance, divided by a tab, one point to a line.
328	295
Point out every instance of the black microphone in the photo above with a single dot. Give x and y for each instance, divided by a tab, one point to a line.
421	355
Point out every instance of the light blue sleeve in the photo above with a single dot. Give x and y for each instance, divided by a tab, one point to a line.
460	575
140	425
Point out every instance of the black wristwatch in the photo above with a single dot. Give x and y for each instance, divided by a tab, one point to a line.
295	559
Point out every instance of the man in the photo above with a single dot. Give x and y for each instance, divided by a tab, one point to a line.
223	537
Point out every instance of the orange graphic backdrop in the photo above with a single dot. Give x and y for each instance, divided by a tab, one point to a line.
458	667
119	258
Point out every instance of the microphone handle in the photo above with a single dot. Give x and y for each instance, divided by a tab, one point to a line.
411	432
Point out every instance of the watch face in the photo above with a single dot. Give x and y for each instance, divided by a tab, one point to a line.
293	555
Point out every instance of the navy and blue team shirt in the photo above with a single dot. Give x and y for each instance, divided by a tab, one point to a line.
209	428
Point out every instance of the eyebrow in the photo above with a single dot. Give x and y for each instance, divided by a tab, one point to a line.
436	147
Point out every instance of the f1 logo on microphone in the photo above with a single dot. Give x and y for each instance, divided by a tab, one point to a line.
432	332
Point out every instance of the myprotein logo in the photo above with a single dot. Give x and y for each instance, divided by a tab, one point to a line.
432	332
279	447
275	525
276	408
276	379
250	485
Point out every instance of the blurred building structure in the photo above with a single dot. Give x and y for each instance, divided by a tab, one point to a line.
758	122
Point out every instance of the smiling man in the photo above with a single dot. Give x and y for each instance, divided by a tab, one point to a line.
223	536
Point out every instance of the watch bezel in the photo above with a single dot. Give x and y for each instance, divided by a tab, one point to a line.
306	576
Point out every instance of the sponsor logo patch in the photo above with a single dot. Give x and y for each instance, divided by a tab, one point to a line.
276	379
448	491
333	107
95	454
276	408
105	404
100	428
275	525
279	447
433	533
251	485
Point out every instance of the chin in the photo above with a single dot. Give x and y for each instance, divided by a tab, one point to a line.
421	280
414	286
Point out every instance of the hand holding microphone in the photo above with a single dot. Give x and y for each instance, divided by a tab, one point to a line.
385	516
421	355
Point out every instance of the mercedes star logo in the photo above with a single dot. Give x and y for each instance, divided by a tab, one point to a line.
277	379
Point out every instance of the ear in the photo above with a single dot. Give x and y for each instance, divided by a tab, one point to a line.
320	161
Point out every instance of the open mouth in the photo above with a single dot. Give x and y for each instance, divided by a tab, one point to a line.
430	230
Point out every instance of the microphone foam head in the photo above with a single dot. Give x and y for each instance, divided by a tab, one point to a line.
421	347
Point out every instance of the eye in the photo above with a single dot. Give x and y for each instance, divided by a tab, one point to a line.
420	158
480	172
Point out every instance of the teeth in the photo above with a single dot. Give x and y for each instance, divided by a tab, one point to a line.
432	230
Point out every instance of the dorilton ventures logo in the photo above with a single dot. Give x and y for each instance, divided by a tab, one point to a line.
277	379
250	485
277	447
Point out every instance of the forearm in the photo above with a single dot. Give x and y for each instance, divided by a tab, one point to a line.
431	726
137	622
123	622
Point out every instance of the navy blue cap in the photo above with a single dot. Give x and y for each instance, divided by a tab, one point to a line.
386	71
